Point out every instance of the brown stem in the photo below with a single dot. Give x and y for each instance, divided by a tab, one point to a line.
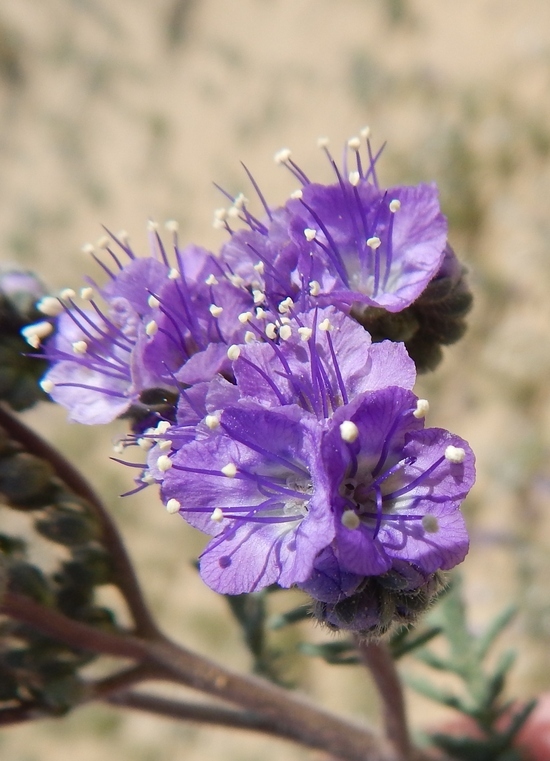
197	712
124	574
289	715
377	658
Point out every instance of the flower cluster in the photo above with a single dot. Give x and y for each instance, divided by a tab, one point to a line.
269	415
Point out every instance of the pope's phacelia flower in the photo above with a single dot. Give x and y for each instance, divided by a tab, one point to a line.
163	326
362	248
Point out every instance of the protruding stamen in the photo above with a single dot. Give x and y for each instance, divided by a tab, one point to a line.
305	333
322	142
50	306
349	431
354	178
152	226
310	234
271	330
173	506
234	352
285	332
286	305
173	274
245	317
211	280
261	314
151	328
395	205
33	334
354	143
103	241
365	133
374	242
212	422
229	470
422	408
148	478
258	296
145	444
165	445
215	310
350	519
326	325
283	155
217	515
314	288
153	302
47	385
162	427
259	267
296	194
171	225
67	293
236	280
250	337
455	454
88	248
164	463
80	347
430	524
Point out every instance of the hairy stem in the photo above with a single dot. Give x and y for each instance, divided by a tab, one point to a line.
377	658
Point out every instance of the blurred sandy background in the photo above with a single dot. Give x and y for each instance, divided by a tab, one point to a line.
114	113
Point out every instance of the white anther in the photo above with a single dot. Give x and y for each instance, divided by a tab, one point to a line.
245	317
212	422
422	408
354	143
153	302
259	267
164	463
285	320
123	236
234	352
151	328
349	431
285	332
455	454
233	212
211	280
240	200
217	515
249	337
145	444
173	506
271	330
33	334
354	178
118	448
220	214
258	296
326	325
261	314
235	280
103	241
365	133
350	519
430	524
165	445
148	478
152	226
374	242
310	233
314	287
218	224
67	293
322	142
395	205
215	310
47	385
162	427
173	274
229	470
171	225
286	305
87	293
87	248
283	155
80	347
296	194
305	333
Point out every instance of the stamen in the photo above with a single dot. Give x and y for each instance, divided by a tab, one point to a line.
314	288
233	352
87	248
283	155
173	274
285	332
171	225
249	337
310	233
258	296
153	302
165	445
47	385
173	506
50	306
326	324
349	431
354	178
217	515
271	330
350	519
322	142
164	463
80	347
296	195
212	422
455	454
259	267
245	317
33	334
151	328
211	280
162	427
286	305
422	408
305	333
67	293
145	444
215	310
395	205
229	470
374	242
